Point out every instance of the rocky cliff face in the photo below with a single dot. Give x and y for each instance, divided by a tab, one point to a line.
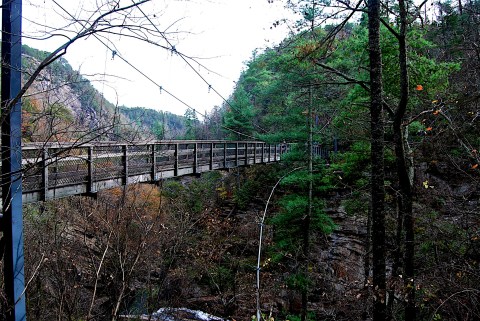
345	255
340	268
62	105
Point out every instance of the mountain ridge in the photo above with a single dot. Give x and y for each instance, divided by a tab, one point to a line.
62	104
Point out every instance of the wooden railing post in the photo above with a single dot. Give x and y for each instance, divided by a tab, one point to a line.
224	155
175	165
211	156
263	153
269	153
45	174
90	170
154	163
246	154
125	164
236	154
255	146
195	158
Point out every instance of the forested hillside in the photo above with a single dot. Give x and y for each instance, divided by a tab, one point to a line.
316	89
163	125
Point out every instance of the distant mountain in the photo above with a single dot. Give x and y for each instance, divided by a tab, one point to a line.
62	105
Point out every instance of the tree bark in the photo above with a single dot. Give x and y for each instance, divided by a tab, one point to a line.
404	167
377	158
368	246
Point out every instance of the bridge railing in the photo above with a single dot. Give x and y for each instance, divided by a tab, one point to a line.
57	170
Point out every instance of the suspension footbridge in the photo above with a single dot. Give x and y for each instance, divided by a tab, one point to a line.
51	171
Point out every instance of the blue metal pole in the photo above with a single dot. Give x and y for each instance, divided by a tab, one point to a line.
11	154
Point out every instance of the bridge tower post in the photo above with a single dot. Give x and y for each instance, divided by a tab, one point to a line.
11	153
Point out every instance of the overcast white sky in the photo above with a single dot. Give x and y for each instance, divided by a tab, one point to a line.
224	32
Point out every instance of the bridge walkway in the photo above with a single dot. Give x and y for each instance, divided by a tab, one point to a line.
51	171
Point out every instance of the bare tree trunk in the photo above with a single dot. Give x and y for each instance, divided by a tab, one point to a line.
119	301
127	274
377	158
97	276
260	240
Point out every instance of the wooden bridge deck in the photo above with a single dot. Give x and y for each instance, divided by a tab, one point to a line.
57	170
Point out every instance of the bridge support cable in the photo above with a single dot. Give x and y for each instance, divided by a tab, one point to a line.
11	153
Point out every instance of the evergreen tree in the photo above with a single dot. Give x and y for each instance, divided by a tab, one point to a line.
238	120
191	124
